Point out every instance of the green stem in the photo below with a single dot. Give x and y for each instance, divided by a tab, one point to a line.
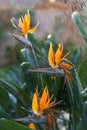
35	58
26	36
36	62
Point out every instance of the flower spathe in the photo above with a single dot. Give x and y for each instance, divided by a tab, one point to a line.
55	58
43	103
24	23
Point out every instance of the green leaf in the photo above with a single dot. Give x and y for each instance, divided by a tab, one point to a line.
77	89
84	94
3	114
27	56
81	28
80	126
12	90
79	85
76	59
10	125
70	93
85	115
4	98
13	74
83	70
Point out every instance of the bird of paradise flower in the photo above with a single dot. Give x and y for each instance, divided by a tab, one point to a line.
58	61
41	107
23	24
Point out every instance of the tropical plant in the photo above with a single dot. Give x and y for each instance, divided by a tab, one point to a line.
42	86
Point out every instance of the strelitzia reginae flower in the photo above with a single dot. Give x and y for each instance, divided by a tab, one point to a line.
41	106
42	109
43	103
56	60
23	24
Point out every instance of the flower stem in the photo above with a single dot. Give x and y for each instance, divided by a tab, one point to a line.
36	62
35	58
26	36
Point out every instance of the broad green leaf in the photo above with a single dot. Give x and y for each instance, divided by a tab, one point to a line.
11	125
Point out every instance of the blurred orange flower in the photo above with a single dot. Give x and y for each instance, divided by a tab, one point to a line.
32	126
23	24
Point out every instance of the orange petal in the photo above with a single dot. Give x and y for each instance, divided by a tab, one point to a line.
33	29
67	66
44	101
28	19
24	23
25	26
35	103
20	24
59	53
51	57
44	96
